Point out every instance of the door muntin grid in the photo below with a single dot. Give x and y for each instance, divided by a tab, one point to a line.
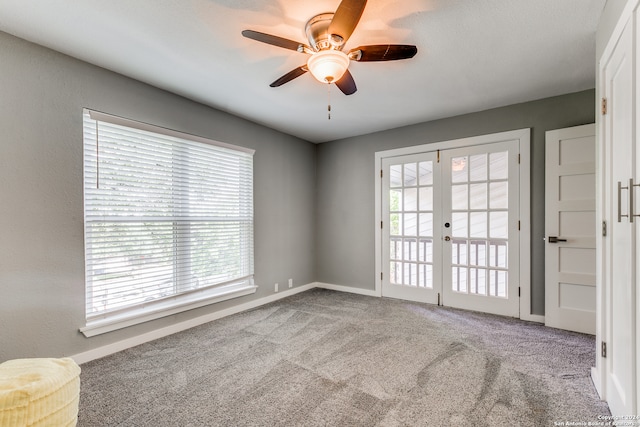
411	217
479	224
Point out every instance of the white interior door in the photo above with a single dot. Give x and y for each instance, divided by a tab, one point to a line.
452	227
619	266
480	228
570	227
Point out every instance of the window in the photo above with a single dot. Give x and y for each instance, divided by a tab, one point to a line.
168	222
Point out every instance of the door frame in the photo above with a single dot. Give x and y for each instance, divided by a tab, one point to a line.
523	136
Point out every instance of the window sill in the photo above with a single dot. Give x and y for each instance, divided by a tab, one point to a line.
167	307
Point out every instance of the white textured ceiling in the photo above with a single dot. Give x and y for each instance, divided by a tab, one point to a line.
472	55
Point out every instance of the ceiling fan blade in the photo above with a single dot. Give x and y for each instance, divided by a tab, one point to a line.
295	73
383	52
346	83
345	19
276	41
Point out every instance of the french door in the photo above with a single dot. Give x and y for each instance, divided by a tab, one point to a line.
451	233
411	202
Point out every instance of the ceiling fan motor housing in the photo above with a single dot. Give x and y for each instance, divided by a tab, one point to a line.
317	31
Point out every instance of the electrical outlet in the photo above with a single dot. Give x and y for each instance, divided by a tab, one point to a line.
291	283
276	290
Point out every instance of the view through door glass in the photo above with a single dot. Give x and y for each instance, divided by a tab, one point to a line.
479	218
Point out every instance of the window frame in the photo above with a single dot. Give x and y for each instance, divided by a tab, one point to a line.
100	323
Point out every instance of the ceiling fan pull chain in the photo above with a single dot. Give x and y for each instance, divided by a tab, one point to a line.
329	101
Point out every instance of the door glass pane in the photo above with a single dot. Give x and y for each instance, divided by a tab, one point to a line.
478	252
426	198
410	274
499	225
478	164
410	250
395	176
459	169
410	224
426	250
498	253
410	175
395	224
498	165
498	283
478	196
459	279
395	251
396	273
498	195
478	224
426	224
425	276
411	199
477	281
395	200
426	173
459	252
459	197
459	224
421	276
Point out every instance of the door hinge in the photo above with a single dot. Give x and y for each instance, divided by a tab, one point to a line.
518	225
603	351
438	157
381	173
518	291
604	228
604	106
439	298
381	275
518	158
381	224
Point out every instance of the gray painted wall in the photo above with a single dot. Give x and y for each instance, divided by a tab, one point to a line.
345	193
42	94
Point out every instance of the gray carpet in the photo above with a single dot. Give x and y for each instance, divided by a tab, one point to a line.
324	358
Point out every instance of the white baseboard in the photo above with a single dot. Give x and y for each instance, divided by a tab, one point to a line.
106	350
597	383
349	289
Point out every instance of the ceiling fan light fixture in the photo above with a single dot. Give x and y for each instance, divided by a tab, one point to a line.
328	66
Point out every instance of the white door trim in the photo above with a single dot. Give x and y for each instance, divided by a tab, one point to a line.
524	138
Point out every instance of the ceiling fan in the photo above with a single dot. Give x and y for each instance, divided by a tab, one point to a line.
327	34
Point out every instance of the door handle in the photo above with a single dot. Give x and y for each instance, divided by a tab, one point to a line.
554	239
447	238
630	189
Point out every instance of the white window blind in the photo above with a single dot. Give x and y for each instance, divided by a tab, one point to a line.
168	217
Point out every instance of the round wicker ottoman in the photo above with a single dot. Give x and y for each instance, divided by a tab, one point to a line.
39	392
